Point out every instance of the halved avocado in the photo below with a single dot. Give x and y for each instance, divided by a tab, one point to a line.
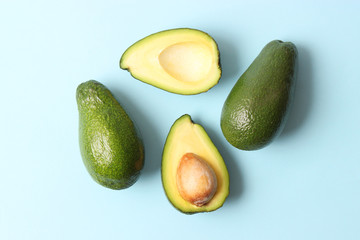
184	61
186	137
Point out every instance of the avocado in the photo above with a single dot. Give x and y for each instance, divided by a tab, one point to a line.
256	109
194	175
183	61
111	150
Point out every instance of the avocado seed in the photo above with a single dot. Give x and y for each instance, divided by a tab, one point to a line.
196	180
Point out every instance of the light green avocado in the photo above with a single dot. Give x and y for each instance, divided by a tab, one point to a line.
256	109
184	61
110	147
187	137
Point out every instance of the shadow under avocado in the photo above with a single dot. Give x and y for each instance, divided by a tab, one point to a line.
229	59
147	132
303	94
232	164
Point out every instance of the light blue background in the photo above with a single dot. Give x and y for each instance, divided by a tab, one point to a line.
305	185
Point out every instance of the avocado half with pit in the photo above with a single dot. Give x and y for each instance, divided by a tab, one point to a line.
184	61
194	175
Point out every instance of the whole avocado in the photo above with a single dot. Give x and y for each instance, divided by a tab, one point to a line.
256	109
110	147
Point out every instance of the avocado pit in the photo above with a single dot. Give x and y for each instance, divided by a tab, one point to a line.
196	180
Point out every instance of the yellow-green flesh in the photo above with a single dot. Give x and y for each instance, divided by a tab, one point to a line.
186	136
184	61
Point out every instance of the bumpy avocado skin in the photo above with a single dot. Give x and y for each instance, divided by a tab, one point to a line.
110	147
256	109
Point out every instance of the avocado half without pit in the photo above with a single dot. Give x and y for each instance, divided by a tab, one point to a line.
183	61
194	175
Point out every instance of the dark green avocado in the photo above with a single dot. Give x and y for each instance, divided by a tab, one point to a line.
110	147
256	109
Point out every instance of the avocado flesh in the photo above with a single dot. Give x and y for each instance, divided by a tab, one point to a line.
184	61
188	137
256	109
111	150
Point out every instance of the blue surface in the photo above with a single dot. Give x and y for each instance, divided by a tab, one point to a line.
305	185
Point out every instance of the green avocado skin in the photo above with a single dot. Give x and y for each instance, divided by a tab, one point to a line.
111	150
256	109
